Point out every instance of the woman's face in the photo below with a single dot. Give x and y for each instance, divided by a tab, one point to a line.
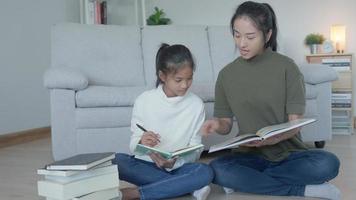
248	38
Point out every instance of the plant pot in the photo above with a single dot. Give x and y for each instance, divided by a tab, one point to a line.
314	48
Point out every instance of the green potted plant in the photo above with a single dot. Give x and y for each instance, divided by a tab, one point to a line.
313	40
157	18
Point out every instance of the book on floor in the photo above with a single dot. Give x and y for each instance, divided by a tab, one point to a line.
66	173
81	161
144	150
57	190
261	134
83	174
107	194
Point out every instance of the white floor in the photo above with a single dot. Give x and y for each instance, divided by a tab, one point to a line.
18	166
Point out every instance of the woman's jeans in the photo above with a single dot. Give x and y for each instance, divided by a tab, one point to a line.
156	183
253	174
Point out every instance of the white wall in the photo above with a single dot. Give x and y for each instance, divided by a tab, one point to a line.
25	42
24	56
295	19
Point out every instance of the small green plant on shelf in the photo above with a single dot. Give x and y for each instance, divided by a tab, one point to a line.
157	18
314	38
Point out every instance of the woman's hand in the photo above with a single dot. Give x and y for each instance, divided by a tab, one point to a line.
209	127
274	139
150	138
162	162
218	125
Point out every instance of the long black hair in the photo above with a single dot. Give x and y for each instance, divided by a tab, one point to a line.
263	16
170	58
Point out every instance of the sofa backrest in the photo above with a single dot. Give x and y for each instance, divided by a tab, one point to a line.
107	55
194	37
222	47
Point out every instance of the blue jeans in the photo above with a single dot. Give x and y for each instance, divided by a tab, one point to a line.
156	183
253	174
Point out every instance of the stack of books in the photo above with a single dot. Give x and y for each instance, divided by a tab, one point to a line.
81	177
341	122
341	102
339	64
341	99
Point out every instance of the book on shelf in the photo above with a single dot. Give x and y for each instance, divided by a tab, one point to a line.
93	11
261	134
144	150
57	190
104	14
81	161
341	105
335	60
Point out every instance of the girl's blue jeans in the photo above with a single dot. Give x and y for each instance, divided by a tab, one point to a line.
156	183
252	174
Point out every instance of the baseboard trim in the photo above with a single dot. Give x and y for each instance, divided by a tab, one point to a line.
24	136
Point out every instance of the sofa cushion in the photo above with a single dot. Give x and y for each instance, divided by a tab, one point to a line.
107	55
206	92
311	92
65	78
104	117
103	140
318	73
104	96
194	37
222	47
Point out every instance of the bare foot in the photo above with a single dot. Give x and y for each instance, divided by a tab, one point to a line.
130	193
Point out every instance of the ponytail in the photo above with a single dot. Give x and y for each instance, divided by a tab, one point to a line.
159	63
272	42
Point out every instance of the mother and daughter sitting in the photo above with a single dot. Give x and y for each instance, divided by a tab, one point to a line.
174	118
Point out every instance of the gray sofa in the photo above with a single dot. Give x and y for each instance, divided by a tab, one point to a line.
97	72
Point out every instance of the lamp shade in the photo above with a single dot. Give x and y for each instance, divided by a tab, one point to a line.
337	36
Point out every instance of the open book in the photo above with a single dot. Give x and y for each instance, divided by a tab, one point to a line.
261	134
143	150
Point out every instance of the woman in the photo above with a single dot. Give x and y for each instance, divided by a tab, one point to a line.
261	88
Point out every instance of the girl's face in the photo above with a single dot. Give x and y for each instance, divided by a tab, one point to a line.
248	38
177	84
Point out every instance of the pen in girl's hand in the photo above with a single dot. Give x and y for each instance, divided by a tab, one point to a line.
140	127
144	130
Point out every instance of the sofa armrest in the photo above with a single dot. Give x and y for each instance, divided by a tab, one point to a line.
64	78
318	73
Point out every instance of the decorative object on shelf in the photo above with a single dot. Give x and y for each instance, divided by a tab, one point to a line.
337	36
157	18
327	47
313	40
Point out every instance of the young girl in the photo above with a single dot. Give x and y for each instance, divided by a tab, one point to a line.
172	117
261	88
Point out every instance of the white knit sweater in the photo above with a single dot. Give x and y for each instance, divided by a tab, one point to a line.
176	119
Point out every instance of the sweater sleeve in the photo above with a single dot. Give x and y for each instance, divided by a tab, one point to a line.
295	91
194	140
221	105
136	132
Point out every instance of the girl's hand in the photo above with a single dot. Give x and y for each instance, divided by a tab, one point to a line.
150	138
162	162
209	127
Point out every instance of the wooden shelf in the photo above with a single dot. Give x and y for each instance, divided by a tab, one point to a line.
343	84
